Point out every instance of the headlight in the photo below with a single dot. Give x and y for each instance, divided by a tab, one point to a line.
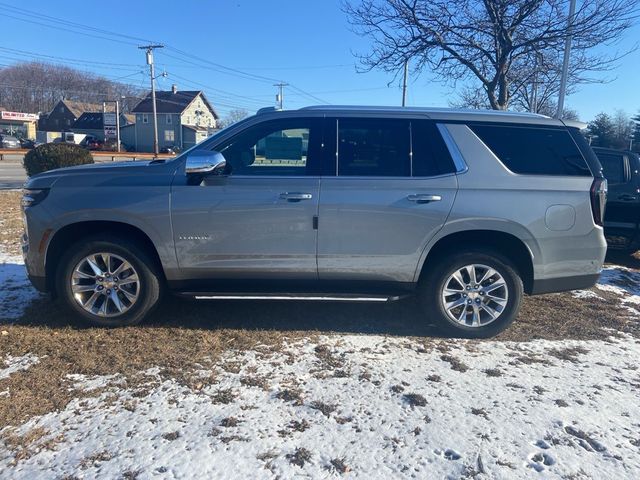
33	197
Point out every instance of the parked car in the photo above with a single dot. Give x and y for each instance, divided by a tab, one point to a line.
29	143
465	210
171	149
9	141
622	220
91	142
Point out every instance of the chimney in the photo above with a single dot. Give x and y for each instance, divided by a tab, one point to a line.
174	88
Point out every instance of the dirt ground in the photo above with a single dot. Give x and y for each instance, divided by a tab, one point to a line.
184	337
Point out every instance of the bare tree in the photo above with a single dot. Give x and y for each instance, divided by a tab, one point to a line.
503	46
36	87
622	128
232	117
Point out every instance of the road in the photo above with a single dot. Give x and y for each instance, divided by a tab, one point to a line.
12	175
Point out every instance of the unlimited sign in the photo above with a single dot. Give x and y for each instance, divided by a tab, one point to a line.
19	116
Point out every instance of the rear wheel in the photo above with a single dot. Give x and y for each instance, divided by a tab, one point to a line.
473	294
109	281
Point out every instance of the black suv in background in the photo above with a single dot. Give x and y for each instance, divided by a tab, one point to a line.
622	218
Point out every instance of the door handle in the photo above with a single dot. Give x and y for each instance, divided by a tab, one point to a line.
627	197
295	196
423	198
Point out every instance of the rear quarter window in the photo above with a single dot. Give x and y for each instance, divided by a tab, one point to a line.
534	150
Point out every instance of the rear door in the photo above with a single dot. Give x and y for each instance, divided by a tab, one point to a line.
623	200
387	188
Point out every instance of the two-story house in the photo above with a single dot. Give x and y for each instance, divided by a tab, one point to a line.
184	119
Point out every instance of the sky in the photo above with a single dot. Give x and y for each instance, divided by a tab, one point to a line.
243	47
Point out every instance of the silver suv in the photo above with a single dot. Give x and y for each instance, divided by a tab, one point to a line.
467	210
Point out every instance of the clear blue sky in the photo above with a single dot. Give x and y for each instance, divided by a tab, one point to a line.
306	43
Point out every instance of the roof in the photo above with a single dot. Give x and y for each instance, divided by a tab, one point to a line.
170	102
89	120
94	120
444	114
196	128
78	108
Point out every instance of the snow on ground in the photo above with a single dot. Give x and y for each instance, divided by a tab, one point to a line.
625	283
16	364
363	407
16	292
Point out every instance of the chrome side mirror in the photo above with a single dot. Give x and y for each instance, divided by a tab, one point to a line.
205	162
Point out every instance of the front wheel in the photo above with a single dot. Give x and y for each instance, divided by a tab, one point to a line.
472	294
109	281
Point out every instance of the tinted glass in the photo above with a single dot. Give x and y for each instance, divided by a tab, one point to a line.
534	150
280	147
612	167
430	154
373	147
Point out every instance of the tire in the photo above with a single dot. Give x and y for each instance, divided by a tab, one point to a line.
107	310
431	292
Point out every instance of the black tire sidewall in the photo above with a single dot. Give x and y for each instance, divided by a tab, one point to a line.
149	285
434	282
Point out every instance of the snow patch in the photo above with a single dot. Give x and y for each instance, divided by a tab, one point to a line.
16	292
372	406
17	364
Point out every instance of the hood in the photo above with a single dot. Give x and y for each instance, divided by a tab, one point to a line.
95	172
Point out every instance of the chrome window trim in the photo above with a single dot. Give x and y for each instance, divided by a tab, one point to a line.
454	151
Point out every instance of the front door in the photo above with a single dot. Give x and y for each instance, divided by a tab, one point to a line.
388	190
257	220
623	199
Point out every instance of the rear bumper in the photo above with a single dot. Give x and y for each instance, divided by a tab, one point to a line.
563	284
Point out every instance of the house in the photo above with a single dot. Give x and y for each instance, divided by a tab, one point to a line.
64	114
184	119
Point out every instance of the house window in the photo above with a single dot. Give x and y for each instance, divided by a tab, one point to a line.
168	119
169	136
145	118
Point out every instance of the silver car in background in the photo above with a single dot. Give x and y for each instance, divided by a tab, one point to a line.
467	210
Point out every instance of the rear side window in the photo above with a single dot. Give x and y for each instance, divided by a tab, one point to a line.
534	150
430	155
373	147
613	168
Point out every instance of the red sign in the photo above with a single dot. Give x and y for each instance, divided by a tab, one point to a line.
19	116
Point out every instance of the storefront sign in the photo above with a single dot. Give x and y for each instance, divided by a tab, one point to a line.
109	119
110	132
19	116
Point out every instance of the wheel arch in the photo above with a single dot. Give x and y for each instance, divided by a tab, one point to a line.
73	232
507	244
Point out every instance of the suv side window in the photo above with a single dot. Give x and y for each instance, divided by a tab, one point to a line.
534	150
613	168
373	147
289	147
430	155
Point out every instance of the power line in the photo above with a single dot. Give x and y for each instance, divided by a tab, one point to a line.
74	28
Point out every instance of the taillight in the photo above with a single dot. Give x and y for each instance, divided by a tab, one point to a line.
598	199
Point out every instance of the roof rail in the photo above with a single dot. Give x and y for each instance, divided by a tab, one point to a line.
266	110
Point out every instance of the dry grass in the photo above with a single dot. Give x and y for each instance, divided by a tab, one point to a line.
10	222
181	334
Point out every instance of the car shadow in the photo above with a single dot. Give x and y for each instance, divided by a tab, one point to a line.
625	259
399	318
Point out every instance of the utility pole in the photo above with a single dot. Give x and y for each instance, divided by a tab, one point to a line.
565	63
404	82
280	94
149	49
